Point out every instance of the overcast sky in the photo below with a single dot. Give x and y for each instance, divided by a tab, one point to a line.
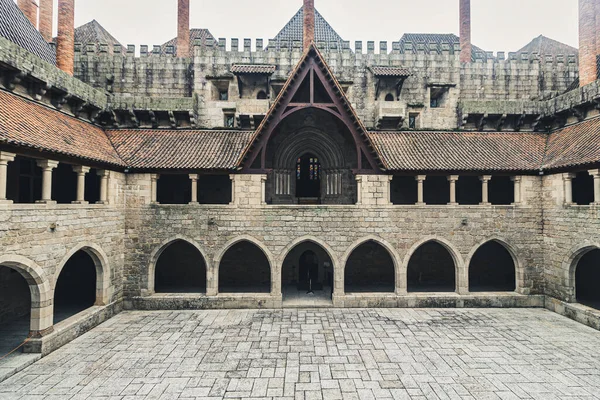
498	25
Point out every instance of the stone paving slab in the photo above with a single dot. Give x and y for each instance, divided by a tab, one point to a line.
322	354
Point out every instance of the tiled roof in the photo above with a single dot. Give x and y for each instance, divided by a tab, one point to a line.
253	69
575	145
195	34
93	32
437	38
293	30
460	151
28	124
15	27
179	149
546	46
390	71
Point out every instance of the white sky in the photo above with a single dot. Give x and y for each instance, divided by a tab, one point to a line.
497	25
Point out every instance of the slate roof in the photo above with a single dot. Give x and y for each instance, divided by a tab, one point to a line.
195	34
390	71
437	38
179	149
464	151
28	124
293	30
253	69
546	46
93	32
15	27
575	145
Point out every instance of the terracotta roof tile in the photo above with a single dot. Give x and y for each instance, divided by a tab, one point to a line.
253	69
179	149
575	145
390	71
28	124
460	151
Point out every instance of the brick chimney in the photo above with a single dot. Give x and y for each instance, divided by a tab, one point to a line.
465	32
46	11
587	42
183	28
309	23
29	8
65	41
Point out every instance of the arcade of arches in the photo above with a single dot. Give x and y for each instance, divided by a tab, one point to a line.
307	268
180	268
244	268
76	286
587	279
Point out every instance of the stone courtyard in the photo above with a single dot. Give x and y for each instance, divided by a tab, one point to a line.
322	353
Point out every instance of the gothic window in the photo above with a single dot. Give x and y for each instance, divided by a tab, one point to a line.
389	97
308	176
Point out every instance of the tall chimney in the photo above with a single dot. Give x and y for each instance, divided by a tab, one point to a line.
309	23
46	11
465	32
29	8
183	28
587	42
65	41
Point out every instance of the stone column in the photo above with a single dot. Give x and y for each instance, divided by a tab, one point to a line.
65	39
518	190
420	181
46	15
5	158
104	175
485	179
596	174
183	28
359	183
465	31
263	190
81	171
568	184
47	166
452	179
153	186
194	179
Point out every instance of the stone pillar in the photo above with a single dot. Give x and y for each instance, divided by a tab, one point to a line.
465	31
309	23
485	179
452	179
420	181
29	8
194	179
518	190
153	188
5	158
263	190
104	175
65	40
596	174
47	166
359	183
587	42
183	28
81	171
568	184
46	15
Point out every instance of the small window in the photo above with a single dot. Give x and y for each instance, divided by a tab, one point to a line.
412	120
223	95
229	121
438	97
389	97
261	95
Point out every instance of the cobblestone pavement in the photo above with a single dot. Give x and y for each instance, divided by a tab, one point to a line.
329	354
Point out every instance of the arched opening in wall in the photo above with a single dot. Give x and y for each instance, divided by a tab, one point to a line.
15	309
436	190
403	190
369	268
431	269
583	188
214	189
64	184
174	189
76	286
244	268
587	279
468	190
307	268
389	97
262	95
180	268
492	269
92	186
308	177
501	190
24	180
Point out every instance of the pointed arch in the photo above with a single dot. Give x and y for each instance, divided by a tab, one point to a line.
517	278
571	264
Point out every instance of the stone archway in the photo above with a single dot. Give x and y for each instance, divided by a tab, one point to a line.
244	266
433	266
493	268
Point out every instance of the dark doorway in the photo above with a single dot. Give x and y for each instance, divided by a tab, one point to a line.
431	269
370	268
244	268
15	309
308	177
180	269
587	279
492	269
76	286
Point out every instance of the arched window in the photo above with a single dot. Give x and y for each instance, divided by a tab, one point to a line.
307	267
262	95
76	286
369	268
180	268
244	268
431	269
492	269
389	97
308	176
587	279
15	309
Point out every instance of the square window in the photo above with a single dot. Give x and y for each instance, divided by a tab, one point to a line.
412	120
223	95
229	121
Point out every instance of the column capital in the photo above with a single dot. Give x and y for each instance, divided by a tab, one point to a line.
47	164
194	177
568	176
485	178
6	157
421	177
595	173
154	177
103	173
453	178
517	178
80	169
